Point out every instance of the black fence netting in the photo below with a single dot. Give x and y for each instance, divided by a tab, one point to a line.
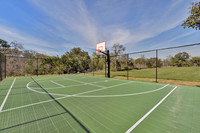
119	66
142	65
2	66
20	66
169	65
180	64
98	65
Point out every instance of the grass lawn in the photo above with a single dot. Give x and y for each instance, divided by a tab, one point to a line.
166	73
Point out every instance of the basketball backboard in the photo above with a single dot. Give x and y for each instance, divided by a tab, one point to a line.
101	47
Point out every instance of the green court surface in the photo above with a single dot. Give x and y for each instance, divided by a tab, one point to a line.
78	103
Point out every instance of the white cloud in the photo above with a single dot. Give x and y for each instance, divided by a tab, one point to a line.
30	42
70	17
82	23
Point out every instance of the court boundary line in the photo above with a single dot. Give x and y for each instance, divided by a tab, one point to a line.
149	112
5	99
57	83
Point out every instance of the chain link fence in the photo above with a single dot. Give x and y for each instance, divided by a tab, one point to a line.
169	65
2	66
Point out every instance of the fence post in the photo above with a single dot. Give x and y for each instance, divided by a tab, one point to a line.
37	67
127	56
0	68
93	66
156	66
5	66
24	68
59	66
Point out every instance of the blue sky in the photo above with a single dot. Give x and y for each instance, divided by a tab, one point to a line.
55	26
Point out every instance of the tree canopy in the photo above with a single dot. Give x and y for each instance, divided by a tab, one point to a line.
118	49
194	19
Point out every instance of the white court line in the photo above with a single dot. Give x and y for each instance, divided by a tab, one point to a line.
57	83
64	96
72	85
123	95
102	88
4	101
34	104
83	82
148	113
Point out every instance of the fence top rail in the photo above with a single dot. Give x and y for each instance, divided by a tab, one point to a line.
189	45
23	57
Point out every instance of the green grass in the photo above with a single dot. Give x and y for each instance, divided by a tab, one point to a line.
169	73
78	103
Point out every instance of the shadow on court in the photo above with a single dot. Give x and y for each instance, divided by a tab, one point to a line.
32	121
65	109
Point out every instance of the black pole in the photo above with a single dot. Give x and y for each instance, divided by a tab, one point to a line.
105	66
156	66
93	66
127	65
37	67
59	66
108	63
1	78
24	68
5	66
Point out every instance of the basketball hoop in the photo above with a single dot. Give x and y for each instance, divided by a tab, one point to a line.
101	47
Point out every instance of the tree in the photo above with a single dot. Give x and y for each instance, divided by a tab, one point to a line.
79	60
195	61
167	62
4	44
151	63
180	59
17	45
130	63
117	50
194	19
141	62
29	53
95	61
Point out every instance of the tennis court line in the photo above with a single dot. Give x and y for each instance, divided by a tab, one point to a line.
57	83
149	112
4	101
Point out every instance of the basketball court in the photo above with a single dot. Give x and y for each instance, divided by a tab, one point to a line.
78	103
